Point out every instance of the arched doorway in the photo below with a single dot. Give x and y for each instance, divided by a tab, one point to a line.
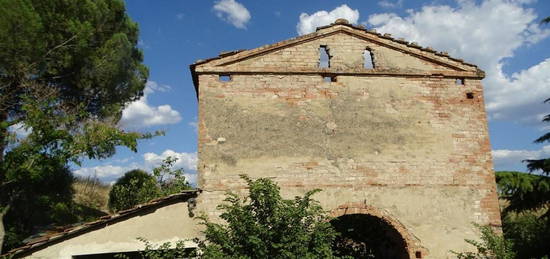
367	236
367	232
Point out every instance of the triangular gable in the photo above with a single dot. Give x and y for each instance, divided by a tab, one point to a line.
427	55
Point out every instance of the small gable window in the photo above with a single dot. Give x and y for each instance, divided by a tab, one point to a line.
368	60
324	57
328	79
225	78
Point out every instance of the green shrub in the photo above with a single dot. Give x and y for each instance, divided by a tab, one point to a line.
133	188
260	225
137	186
529	233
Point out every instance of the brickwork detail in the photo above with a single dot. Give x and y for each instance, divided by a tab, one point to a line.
402	138
413	244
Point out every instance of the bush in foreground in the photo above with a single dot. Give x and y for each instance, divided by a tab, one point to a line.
260	225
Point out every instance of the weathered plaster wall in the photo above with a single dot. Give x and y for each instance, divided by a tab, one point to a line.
413	147
169	223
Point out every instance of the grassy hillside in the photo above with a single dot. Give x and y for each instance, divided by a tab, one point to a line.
89	192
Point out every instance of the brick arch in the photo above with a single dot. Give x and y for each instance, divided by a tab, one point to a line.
414	248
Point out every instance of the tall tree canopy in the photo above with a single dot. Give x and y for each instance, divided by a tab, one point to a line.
541	164
524	192
67	69
86	49
526	216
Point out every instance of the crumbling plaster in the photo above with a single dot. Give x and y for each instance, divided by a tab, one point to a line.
402	138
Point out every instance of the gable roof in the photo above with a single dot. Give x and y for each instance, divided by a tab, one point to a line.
71	231
342	26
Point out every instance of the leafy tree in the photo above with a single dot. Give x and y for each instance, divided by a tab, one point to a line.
138	186
542	165
546	20
67	68
86	49
135	187
529	234
264	225
526	221
56	140
524	192
46	200
170	180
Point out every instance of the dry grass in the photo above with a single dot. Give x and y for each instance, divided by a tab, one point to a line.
91	193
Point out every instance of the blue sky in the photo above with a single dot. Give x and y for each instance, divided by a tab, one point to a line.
503	37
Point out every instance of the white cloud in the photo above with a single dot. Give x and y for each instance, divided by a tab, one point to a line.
521	96
506	159
308	23
187	161
141	114
105	173
110	173
484	34
390	4
153	86
232	12
195	125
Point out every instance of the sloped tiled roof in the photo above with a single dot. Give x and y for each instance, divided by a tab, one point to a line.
67	232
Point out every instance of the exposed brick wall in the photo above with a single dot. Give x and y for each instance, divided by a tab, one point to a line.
411	144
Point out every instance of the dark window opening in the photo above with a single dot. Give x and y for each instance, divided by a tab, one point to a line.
459	81
470	95
418	254
366	236
329	79
368	59
324	57
225	78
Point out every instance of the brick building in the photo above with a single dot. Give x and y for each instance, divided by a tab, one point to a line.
393	133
